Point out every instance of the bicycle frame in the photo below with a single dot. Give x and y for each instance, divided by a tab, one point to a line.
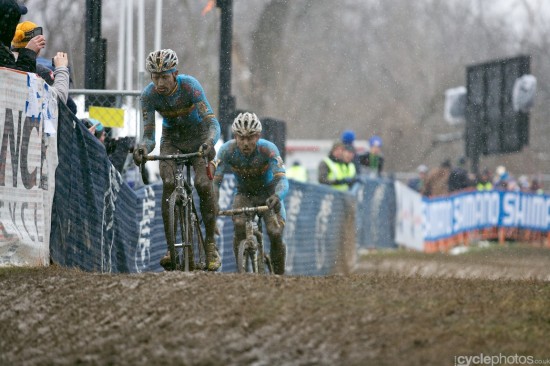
251	247
183	215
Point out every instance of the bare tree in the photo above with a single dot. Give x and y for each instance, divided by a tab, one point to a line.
64	30
378	67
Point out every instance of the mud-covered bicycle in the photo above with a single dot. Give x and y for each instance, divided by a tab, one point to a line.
250	253
183	217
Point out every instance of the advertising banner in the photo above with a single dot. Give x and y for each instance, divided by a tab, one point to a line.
28	159
408	218
375	219
445	217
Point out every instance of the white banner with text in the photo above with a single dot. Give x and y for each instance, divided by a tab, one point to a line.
28	159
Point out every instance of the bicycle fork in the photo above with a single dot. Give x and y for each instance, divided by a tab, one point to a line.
254	244
186	217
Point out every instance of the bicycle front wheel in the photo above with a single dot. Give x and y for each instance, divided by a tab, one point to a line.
174	214
241	256
268	265
187	233
260	258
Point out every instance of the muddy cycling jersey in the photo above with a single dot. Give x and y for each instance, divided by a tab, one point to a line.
185	109
260	173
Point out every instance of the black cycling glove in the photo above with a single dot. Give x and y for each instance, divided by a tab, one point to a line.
139	152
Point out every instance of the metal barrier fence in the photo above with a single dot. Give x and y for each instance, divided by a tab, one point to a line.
117	110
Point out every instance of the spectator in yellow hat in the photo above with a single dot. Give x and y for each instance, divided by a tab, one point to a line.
11	12
59	78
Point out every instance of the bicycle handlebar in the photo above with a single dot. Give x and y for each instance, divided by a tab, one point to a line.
181	157
243	210
187	156
172	156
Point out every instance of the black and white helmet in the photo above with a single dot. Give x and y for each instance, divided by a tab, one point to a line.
161	61
246	124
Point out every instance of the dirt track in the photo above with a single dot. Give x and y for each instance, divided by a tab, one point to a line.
61	316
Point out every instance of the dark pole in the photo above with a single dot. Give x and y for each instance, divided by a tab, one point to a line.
94	53
475	162
226	100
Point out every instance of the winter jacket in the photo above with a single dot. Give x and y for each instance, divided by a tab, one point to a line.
25	62
10	15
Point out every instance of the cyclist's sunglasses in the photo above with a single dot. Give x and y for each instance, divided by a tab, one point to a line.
33	33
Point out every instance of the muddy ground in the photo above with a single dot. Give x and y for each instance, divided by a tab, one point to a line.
397	308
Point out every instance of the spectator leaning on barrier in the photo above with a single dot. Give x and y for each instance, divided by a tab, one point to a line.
348	157
10	14
437	180
459	179
297	172
536	187
501	179
96	128
373	160
417	183
59	78
348	138
336	169
524	183
483	182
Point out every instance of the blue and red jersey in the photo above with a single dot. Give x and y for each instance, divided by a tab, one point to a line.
260	173
186	108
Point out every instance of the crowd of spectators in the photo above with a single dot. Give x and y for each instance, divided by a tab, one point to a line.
337	169
344	165
447	179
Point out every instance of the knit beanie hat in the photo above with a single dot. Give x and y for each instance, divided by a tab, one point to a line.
348	136
23	34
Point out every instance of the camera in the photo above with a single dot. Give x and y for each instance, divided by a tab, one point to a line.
33	33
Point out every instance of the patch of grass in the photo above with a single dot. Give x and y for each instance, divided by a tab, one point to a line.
493	250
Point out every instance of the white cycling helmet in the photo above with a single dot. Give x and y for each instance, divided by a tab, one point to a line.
161	61
246	124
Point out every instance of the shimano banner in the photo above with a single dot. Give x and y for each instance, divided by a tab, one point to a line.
448	216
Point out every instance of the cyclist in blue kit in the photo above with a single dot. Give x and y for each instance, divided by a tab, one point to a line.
188	123
260	179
